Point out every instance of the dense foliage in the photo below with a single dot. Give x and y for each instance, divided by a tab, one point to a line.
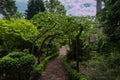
104	65
54	6
16	34
111	20
34	7
16	66
51	6
45	32
73	75
8	8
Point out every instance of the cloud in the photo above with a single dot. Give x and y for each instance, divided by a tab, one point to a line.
73	7
1	16
80	7
21	5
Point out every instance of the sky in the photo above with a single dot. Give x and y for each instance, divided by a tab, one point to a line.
73	7
80	7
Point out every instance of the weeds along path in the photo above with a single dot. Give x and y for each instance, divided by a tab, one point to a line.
54	69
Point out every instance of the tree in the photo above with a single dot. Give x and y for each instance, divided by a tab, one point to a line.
49	27
16	34
34	7
18	15
110	15
8	8
54	6
99	6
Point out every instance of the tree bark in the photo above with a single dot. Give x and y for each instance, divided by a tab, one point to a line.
40	50
99	6
77	44
39	36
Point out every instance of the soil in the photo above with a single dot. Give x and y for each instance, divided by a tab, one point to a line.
54	69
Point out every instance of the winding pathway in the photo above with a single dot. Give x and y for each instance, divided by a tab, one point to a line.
54	69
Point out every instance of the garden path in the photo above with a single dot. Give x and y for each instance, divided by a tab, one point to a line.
55	69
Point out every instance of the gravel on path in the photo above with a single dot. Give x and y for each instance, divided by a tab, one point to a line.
55	69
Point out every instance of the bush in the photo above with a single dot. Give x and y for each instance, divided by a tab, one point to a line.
16	34
16	66
73	75
73	64
105	68
39	69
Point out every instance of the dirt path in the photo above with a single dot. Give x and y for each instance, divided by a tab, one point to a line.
55	69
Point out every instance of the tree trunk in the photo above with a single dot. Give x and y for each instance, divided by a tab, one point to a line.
78	49
99	6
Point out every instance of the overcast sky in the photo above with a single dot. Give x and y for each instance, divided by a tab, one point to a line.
80	7
73	7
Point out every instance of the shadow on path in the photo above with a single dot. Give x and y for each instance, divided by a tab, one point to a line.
54	69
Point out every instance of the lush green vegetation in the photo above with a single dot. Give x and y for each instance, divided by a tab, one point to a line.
8	8
73	74
27	45
16	66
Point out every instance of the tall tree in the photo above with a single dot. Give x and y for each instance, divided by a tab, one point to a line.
8	8
99	6
54	6
110	15
111	18
34	7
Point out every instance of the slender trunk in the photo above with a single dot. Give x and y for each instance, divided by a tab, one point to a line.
77	44
99	6
77	56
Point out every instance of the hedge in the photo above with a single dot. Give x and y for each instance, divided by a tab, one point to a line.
73	75
16	66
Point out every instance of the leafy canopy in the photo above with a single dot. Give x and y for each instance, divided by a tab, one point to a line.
8	8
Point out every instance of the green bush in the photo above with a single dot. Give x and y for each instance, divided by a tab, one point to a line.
73	75
16	34
73	64
105	68
39	69
16	66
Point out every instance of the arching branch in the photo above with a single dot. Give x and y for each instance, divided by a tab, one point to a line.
49	36
39	36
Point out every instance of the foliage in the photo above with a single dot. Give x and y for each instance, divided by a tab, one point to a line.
104	68
16	34
16	66
34	7
18	15
39	69
106	65
84	46
110	16
104	47
50	29
8	8
73	64
73	75
54	6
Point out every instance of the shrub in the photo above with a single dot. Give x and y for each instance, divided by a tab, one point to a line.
16	34
16	66
73	75
73	64
105	68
